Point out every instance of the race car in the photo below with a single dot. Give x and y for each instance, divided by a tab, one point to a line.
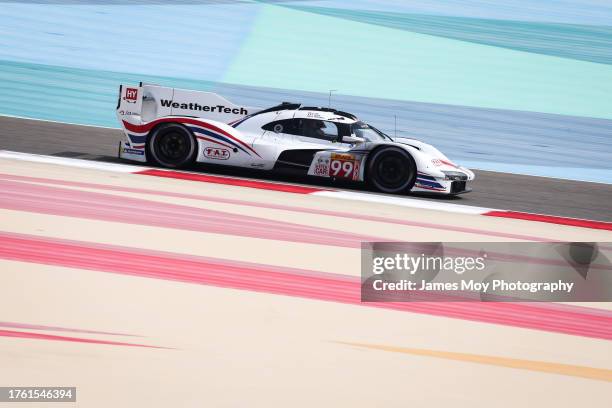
174	128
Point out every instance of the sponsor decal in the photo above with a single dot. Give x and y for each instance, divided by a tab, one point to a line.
344	165
131	95
436	162
168	103
314	115
127	113
133	151
322	167
342	156
216	153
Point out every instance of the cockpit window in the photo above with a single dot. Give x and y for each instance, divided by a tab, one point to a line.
289	126
312	128
368	132
320	129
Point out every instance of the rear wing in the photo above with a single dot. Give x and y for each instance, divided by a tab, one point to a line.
145	103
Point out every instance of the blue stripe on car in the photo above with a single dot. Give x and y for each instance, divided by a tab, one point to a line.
217	136
429	183
137	139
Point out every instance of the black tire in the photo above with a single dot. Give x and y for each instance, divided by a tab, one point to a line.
172	145
391	170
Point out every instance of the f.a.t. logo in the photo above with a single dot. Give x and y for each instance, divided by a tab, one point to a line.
131	95
216	153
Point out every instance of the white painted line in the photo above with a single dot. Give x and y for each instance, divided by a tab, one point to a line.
344	195
64	161
404	202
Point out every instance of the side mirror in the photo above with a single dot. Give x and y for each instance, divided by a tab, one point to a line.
352	139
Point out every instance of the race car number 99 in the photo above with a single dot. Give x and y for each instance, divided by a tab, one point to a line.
344	168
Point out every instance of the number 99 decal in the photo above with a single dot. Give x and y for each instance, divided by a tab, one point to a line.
342	168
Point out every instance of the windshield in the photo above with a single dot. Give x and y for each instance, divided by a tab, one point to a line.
368	132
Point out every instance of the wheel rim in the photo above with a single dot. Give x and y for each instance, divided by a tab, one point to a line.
172	147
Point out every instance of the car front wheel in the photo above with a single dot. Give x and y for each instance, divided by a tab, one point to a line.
391	170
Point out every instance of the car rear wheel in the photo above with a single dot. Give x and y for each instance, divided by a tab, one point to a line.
172	145
391	170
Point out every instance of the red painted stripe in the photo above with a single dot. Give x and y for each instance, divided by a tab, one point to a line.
40	336
319	211
441	227
139	128
288	188
107	207
551	219
27	326
290	282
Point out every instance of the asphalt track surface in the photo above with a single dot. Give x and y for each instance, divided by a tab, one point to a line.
490	189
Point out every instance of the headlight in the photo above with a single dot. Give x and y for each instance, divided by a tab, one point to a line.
454	175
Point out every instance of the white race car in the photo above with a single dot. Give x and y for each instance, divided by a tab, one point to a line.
174	128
